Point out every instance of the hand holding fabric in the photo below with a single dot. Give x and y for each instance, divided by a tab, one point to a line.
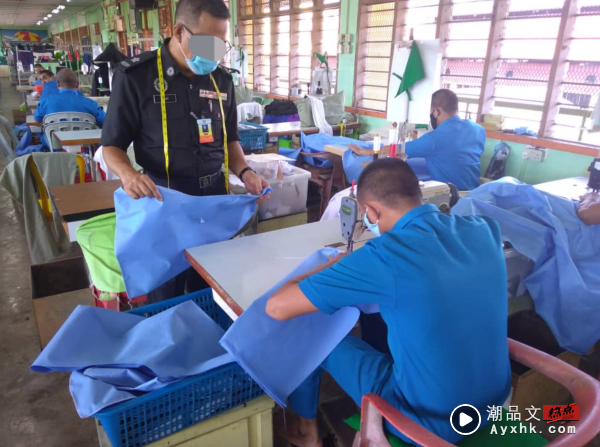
255	184
589	208
138	185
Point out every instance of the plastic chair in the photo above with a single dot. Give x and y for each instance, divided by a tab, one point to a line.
44	199
64	121
584	389
326	178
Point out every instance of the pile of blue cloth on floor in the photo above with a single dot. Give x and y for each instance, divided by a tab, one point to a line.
114	357
565	282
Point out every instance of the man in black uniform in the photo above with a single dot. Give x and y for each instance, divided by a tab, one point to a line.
193	160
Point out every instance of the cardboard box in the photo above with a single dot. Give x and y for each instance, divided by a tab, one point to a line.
57	288
529	386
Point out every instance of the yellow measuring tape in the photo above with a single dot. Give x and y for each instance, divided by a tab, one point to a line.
163	112
342	129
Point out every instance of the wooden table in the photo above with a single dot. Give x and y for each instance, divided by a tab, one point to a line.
78	137
336	149
31	122
25	88
241	270
570	188
294	128
81	201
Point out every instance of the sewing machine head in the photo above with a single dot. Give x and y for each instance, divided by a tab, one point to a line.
442	195
350	220
594	183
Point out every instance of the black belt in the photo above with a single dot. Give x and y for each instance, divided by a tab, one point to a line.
203	182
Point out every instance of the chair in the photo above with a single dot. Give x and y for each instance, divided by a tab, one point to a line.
8	140
326	178
63	121
584	389
44	199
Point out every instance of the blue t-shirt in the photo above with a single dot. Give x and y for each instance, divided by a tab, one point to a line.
452	151
50	88
440	282
69	101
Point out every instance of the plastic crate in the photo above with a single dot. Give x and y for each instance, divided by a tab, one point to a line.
155	415
253	137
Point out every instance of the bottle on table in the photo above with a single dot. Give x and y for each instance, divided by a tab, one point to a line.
319	88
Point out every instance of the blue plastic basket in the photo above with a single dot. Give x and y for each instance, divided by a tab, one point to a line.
253	139
155	415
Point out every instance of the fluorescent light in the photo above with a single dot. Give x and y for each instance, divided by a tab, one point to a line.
45	18
55	11
61	7
49	15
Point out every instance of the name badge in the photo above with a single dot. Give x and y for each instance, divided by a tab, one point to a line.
212	95
205	131
168	99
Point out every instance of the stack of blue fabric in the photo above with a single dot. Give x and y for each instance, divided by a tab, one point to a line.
114	357
565	282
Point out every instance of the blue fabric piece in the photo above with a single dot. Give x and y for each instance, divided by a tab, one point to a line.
69	100
525	131
565	282
440	283
280	355
353	164
419	167
290	153
25	140
152	236
31	149
316	143
453	152
37	83
186	345
50	88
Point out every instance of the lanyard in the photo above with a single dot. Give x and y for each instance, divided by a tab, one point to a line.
163	111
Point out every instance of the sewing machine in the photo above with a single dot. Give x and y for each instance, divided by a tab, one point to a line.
594	169
442	195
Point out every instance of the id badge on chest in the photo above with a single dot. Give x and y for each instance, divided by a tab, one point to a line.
205	131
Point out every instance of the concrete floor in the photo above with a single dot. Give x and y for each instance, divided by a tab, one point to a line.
36	410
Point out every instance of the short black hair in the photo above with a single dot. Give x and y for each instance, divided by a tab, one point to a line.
190	10
446	100
46	72
38	65
390	181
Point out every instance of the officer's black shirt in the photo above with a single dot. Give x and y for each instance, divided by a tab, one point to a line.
134	115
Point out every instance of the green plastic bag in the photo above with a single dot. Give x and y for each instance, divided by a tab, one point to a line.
96	237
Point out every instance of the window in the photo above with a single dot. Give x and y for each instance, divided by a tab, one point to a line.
526	74
282	36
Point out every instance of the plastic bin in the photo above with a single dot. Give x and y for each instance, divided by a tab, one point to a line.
161	413
253	137
288	196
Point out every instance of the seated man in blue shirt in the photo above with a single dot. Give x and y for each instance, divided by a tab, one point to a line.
69	99
452	151
440	283
50	85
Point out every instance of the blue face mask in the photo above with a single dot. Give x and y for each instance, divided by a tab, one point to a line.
372	227
199	65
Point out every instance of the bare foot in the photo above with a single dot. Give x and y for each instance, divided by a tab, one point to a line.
298	431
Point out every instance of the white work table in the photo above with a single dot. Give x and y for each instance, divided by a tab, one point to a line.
30	121
242	270
78	137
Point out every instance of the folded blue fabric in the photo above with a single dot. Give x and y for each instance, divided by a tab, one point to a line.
152	236
280	355
130	352
565	282
316	143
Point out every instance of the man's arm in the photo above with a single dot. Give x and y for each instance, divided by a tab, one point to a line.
589	209
422	147
40	111
289	301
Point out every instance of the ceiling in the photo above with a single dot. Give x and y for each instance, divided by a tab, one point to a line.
27	13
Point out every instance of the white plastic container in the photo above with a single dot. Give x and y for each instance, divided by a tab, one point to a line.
288	197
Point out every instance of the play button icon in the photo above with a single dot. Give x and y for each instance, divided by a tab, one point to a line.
465	419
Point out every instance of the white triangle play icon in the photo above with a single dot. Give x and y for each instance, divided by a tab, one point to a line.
464	419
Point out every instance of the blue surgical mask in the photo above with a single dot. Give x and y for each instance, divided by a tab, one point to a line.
372	227
199	65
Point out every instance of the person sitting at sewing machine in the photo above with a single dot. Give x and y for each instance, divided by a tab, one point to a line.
35	78
69	99
452	150
49	82
589	208
440	283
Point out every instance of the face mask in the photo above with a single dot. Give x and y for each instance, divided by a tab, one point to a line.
372	227
433	119
199	65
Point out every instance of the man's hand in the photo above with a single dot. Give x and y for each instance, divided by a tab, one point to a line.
337	258
255	184
138	185
589	208
359	150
